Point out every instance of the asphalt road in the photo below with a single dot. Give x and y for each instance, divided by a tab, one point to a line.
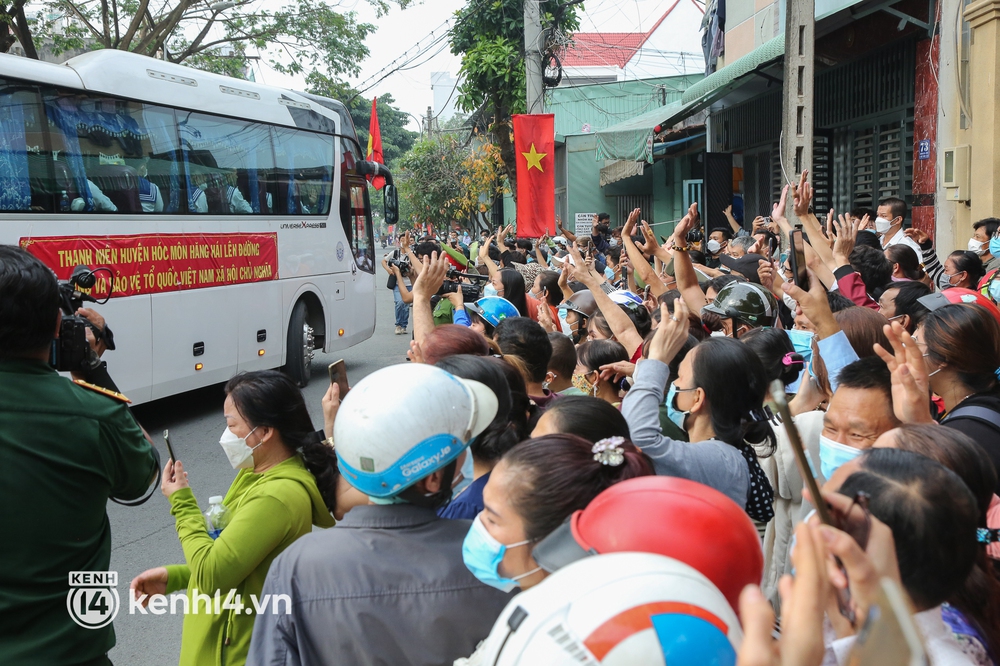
144	537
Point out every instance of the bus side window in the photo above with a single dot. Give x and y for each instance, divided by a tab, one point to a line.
304	171
20	188
355	209
227	161
110	155
361	224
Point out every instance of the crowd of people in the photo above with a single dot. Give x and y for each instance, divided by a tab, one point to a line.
584	459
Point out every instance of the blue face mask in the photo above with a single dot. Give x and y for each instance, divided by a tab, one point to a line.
482	555
609	273
994	289
674	414
802	344
490	290
995	246
834	454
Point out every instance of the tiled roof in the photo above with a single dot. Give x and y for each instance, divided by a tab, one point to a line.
605	49
602	49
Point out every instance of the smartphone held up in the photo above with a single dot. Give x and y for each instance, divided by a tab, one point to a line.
338	376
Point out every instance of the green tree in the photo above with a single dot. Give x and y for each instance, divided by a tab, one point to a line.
396	139
490	40
306	35
443	180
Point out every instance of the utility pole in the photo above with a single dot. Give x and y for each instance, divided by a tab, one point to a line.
797	109
533	56
430	121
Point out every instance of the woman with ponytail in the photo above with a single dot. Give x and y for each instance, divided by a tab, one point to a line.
287	481
508	428
534	488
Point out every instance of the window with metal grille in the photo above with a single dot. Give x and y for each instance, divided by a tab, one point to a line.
757	193
874	162
628	203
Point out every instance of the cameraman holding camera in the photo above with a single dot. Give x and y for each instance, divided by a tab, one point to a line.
66	450
398	269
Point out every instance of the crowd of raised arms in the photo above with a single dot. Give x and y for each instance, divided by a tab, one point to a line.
600	450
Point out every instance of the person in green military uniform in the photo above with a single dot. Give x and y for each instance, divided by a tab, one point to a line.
66	450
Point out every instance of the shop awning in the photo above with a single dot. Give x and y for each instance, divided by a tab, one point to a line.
632	140
715	85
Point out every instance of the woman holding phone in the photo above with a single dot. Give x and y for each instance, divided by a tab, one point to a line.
287	481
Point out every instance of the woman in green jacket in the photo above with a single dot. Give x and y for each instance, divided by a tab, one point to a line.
287	482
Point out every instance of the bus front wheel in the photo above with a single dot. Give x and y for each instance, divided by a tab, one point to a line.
301	345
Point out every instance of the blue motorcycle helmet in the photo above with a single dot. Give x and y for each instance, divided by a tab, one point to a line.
493	309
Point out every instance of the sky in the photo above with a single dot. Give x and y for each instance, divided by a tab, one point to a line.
407	31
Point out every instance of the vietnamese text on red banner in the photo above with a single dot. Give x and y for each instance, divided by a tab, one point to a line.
155	263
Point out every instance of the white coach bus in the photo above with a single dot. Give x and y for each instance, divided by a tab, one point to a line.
233	218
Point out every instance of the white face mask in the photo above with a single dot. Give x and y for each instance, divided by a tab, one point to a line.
882	225
979	247
240	454
713	246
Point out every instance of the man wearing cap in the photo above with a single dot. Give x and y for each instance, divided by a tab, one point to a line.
387	585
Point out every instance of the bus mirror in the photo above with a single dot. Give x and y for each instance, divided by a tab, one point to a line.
391	204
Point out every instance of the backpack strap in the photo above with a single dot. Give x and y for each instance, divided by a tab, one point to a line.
982	414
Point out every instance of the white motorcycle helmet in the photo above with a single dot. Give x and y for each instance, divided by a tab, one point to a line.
622	297
404	422
620	609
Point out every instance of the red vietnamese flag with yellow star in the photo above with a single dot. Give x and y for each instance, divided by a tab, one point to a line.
535	151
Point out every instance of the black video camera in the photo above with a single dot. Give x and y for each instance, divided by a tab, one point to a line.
695	235
71	352
471	292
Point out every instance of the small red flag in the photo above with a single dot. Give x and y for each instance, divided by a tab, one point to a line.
374	153
535	149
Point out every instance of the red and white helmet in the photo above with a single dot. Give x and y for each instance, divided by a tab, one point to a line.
958	296
693	523
623	609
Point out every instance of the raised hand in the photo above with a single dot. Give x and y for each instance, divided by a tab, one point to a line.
671	334
765	273
545	317
415	354
802	195
431	276
910	382
844	239
582	270
778	211
918	235
629	229
687	223
649	246
814	305
802	604
484	248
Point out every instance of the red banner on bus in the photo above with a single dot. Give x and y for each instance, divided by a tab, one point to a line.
156	263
